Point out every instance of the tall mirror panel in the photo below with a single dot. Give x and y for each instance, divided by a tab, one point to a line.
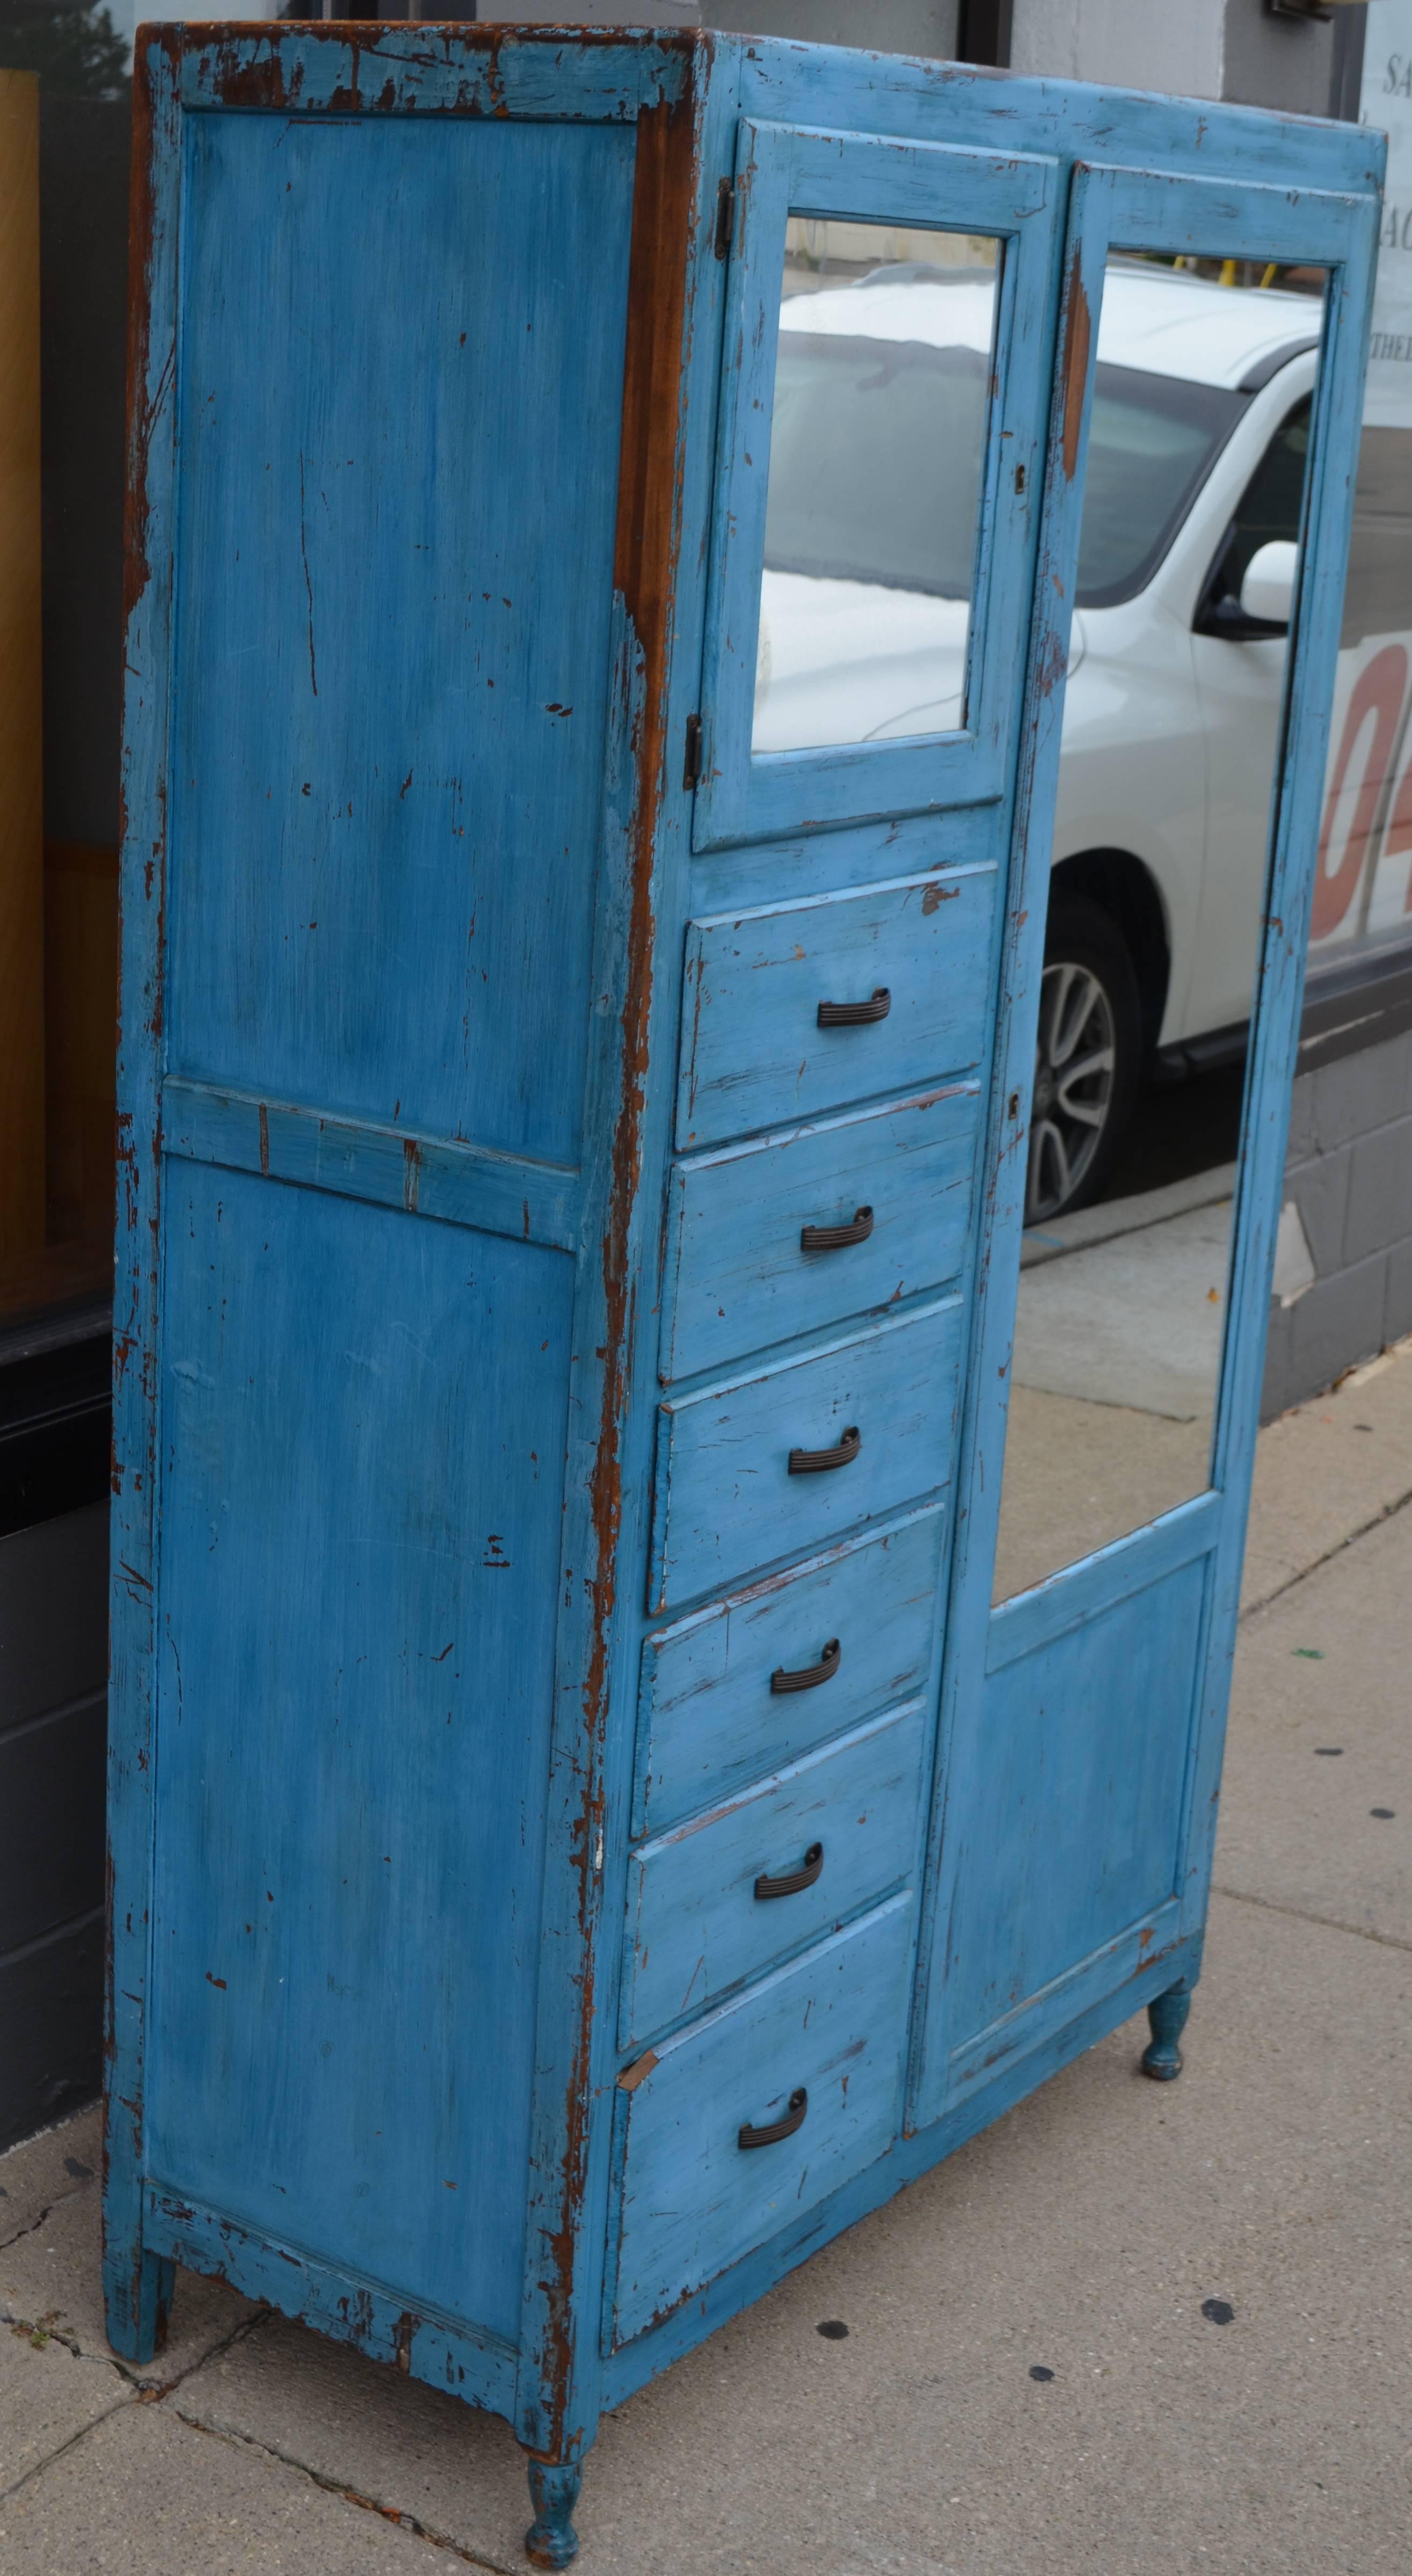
1187	571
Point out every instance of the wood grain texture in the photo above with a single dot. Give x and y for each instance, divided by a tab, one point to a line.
425	1175
691	2201
738	1277
695	1926
726	1500
753	1054
360	1488
1066	1790
709	1719
347	886
22	1179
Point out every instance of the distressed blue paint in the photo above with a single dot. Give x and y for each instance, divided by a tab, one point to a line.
726	1499
695	1926
345	931
690	2200
357	1490
1167	2015
445	2351
709	1718
738	1275
753	1053
1065	1791
1014	200
497	1193
404	1244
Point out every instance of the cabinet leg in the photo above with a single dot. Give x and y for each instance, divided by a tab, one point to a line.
551	2540
137	2294
1162	2058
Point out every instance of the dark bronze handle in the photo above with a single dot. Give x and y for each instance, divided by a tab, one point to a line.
832	1238
814	1462
774	2130
812	1674
851	1015
794	1881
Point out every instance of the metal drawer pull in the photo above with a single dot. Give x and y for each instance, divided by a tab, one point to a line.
851	1015
815	1462
832	1238
774	2130
794	1881
811	1675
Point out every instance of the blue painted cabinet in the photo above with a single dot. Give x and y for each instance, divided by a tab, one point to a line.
579	1834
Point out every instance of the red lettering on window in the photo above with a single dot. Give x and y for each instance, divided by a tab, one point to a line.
1377	693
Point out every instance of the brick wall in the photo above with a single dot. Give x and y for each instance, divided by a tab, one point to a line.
1349	1173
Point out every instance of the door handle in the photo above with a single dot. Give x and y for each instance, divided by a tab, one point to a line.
832	1238
817	1462
794	1881
774	2130
851	1015
809	1676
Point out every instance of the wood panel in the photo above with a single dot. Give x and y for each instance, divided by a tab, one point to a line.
696	1925
726	1498
739	1274
364	1422
392	671
753	1052
22	1195
691	2200
711	1721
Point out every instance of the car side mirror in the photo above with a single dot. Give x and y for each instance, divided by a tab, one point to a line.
1267	592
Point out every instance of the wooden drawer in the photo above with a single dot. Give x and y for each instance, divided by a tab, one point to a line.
691	2199
709	1721
738	1274
701	1916
753	1053
726	1499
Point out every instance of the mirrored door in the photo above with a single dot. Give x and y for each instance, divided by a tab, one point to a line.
1190	565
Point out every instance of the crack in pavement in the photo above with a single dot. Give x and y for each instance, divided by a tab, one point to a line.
1327	1922
1389	1512
397	2515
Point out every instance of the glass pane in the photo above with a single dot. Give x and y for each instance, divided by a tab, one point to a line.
882	386
1188	551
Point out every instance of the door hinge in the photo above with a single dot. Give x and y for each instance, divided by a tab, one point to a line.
692	765
725	216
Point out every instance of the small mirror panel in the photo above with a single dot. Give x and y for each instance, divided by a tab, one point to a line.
882	390
1196	471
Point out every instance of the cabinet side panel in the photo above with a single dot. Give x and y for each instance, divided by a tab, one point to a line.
363	1428
400	395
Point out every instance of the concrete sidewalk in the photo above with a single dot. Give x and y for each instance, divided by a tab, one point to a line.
1082	2237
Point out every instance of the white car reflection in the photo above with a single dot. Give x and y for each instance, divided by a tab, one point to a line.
1196	466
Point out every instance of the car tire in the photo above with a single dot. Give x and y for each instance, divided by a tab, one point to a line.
1087	1058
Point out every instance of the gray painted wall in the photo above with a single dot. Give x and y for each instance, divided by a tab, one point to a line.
1233	49
1349	1175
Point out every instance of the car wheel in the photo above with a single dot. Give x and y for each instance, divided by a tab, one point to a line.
1086	1058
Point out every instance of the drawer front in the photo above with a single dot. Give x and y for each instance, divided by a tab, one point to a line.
692	2200
717	1901
710	1722
753	1053
726	1499
738	1274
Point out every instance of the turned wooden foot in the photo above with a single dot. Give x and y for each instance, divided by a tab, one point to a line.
1162	2058
551	2540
